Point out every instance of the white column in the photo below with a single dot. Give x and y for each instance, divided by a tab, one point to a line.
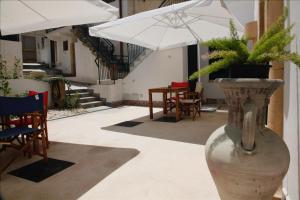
292	110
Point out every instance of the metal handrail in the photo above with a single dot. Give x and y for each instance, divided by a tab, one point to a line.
170	2
134	51
111	66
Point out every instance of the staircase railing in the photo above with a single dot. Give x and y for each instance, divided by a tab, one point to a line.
134	51
170	2
111	66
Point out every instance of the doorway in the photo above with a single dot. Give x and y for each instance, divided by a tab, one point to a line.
192	64
72	59
53	47
29	49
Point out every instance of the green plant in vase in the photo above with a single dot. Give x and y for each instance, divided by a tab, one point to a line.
233	52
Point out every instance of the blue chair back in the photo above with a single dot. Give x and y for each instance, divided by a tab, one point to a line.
20	105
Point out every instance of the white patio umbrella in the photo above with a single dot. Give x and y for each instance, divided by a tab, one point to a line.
172	26
20	16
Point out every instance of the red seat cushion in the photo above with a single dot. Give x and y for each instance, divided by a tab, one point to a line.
180	84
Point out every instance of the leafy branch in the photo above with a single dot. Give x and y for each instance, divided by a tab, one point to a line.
270	47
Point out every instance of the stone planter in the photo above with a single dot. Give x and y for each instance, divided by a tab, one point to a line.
247	160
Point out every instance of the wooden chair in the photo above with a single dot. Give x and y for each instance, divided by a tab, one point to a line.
26	121
171	101
22	138
192	102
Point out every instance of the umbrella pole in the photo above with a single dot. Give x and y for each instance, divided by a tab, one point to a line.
98	62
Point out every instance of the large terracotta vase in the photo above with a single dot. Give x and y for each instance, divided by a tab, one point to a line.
247	160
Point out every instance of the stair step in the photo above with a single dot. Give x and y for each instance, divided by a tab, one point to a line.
81	94
87	99
74	91
92	104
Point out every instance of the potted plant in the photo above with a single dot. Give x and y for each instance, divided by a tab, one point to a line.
246	159
233	53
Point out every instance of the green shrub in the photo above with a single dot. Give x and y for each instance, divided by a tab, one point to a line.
71	101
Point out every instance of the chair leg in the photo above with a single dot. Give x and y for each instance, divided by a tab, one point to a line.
46	132
194	112
25	146
199	109
44	147
29	149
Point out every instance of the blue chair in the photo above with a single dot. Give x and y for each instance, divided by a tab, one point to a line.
22	138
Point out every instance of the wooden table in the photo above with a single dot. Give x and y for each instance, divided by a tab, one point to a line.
165	91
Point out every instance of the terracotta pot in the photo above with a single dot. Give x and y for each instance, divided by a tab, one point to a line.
247	160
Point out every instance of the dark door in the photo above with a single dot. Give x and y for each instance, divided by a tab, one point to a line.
29	49
53	52
192	64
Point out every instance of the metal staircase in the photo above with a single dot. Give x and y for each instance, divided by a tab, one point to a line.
111	66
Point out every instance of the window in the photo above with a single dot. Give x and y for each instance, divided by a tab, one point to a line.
10	37
43	43
65	45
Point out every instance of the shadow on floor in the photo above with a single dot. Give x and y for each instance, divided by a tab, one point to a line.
186	130
92	164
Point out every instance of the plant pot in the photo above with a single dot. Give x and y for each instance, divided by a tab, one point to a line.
249	71
58	92
243	71
247	160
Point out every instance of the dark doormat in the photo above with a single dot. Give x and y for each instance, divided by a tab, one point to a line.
129	123
166	119
40	170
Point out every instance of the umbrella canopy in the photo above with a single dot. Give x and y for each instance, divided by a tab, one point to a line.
172	26
20	16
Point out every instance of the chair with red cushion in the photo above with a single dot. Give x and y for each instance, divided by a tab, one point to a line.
192	101
172	99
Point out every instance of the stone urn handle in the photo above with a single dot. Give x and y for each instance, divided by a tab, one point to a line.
249	125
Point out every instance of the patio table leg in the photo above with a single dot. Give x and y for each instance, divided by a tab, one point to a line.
165	103
150	105
177	107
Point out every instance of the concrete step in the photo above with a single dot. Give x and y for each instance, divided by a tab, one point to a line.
81	94
91	104
87	99
74	91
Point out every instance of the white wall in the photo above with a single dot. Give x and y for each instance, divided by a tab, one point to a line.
43	55
292	111
211	90
86	69
111	93
157	70
63	57
9	51
21	86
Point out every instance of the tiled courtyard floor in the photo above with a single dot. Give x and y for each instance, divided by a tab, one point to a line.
151	161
